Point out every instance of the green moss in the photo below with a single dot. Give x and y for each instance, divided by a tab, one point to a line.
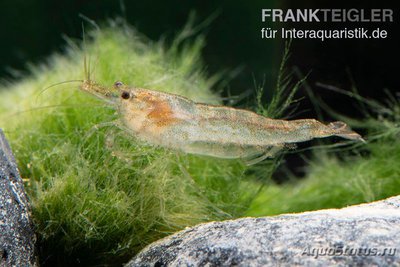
98	194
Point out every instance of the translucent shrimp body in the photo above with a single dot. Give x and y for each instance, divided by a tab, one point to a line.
175	122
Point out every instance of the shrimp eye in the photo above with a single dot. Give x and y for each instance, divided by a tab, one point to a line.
125	95
118	84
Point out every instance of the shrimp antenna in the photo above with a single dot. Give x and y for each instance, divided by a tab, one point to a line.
87	67
56	84
85	63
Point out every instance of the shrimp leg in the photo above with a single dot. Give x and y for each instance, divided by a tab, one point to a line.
270	152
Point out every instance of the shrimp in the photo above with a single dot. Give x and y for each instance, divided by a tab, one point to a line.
176	122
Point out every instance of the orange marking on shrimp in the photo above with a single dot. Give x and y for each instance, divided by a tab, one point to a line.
162	114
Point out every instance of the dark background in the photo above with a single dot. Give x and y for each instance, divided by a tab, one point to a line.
32	29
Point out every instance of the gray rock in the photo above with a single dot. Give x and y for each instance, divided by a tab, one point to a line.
17	237
361	235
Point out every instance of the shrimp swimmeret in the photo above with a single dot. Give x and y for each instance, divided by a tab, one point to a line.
175	122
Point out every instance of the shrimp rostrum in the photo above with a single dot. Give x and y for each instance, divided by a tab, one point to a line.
175	122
